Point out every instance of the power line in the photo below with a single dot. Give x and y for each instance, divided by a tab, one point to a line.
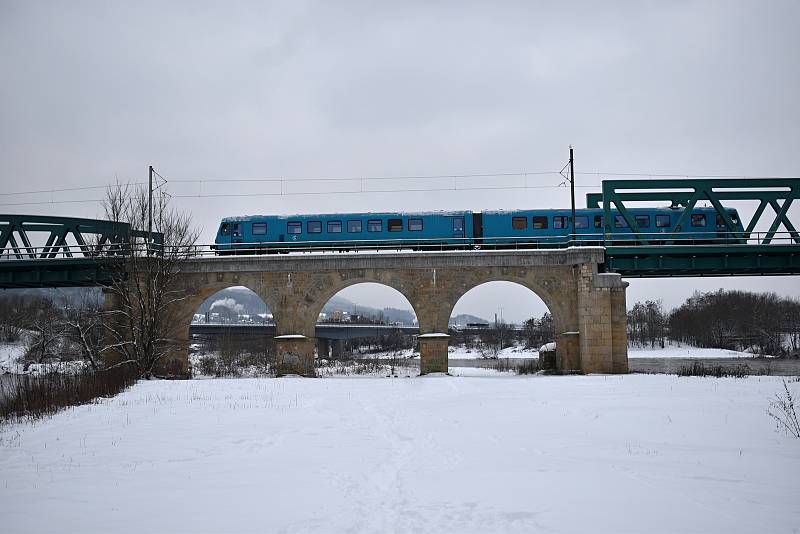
401	177
68	189
305	193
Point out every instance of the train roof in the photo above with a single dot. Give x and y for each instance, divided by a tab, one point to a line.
359	214
456	213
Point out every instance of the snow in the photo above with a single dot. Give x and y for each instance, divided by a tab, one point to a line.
489	452
9	353
463	353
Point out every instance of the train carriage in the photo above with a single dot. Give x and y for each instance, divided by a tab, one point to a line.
466	229
344	231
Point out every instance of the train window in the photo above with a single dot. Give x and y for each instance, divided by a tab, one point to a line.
259	228
582	221
395	225
540	223
225	229
698	219
598	221
354	227
720	220
314	227
415	225
335	227
374	225
519	223
560	221
237	230
294	227
642	221
619	222
662	221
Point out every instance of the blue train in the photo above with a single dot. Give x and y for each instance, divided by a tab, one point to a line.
462	229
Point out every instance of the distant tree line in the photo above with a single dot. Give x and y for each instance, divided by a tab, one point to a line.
739	320
50	330
647	324
763	323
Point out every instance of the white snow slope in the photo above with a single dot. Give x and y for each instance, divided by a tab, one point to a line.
491	452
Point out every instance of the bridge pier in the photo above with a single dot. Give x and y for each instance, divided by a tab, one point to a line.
294	355
323	348
433	353
336	348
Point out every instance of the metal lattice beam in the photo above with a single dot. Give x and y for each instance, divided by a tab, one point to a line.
778	194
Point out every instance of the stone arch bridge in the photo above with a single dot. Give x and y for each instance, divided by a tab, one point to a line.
588	307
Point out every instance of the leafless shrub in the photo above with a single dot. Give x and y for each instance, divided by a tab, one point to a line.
35	397
697	368
781	409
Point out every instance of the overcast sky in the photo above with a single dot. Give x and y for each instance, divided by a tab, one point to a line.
97	91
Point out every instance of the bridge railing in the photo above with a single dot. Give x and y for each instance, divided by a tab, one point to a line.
654	240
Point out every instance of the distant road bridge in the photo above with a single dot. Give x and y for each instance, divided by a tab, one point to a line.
329	335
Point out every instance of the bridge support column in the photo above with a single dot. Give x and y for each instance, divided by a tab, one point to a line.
294	355
336	349
602	320
323	348
568	352
433	353
619	330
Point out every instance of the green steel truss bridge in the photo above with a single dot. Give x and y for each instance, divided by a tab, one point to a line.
42	251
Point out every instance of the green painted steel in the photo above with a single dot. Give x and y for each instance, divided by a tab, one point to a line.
696	260
743	251
43	251
683	195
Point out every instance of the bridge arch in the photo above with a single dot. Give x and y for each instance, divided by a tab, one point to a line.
550	291
328	291
335	346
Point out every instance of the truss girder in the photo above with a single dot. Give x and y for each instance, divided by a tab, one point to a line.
778	194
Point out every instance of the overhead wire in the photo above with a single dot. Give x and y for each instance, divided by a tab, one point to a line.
362	180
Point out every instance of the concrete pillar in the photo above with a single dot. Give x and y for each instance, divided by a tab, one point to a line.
323	348
619	331
568	352
336	349
600	320
294	355
433	353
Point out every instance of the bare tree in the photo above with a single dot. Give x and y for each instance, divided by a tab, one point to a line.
47	329
83	328
16	310
141	323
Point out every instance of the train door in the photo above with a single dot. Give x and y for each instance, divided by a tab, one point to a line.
458	226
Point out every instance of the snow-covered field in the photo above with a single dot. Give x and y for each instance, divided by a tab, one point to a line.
485	452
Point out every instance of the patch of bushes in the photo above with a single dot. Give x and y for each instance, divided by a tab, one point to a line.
35	397
717	371
782	410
